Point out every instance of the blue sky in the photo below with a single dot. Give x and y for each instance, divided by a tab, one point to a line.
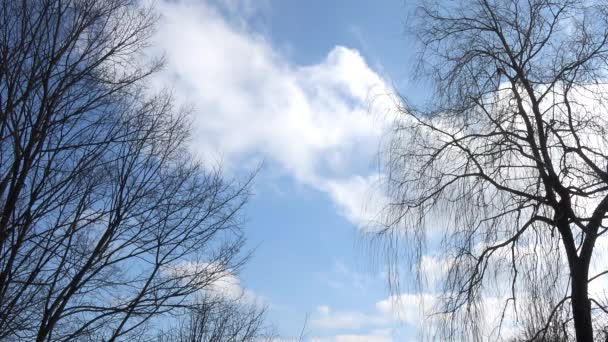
307	88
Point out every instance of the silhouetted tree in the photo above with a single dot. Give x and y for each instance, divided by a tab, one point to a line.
106	220
540	323
508	158
220	319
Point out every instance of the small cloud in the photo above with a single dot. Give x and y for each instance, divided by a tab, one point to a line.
327	319
355	338
214	280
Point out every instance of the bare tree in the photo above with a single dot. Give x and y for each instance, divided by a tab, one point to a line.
106	221
220	319
540	323
508	159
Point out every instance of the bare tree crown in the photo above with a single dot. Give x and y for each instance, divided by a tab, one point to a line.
101	205
509	160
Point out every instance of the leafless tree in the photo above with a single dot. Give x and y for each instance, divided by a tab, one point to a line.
507	161
220	319
106	221
537	326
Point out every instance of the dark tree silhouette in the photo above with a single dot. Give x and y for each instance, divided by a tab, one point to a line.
220	319
106	221
508	158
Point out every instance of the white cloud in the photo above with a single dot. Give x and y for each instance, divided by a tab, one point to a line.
416	310
355	338
385	316
408	308
320	124
214	280
317	123
358	198
326	318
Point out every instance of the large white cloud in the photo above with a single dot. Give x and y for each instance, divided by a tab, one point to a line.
320	124
317	123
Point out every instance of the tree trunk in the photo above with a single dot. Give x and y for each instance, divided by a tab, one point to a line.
581	307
